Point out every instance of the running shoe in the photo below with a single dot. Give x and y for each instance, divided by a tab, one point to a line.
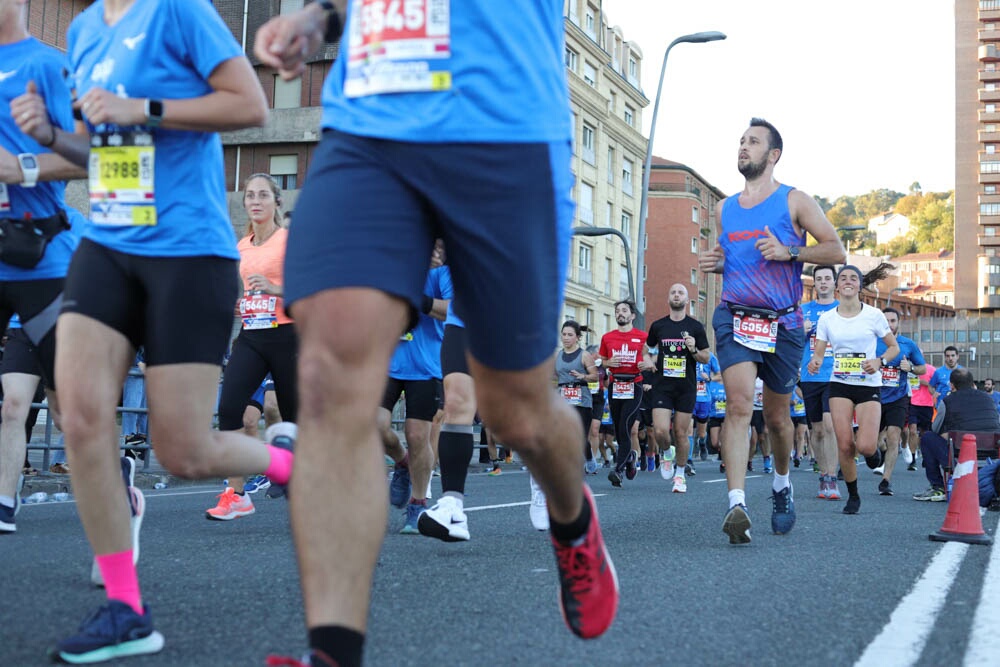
538	510
590	467
446	521
907	456
615	478
281	435
588	583
815	465
413	512
703	451
257	483
796	461
880	470
832	489
722	466
885	487
315	658
782	511
750	466
667	469
934	494
912	467
650	463
873	461
768	468
113	631
689	469
737	524
59	468
496	470
853	505
231	506
630	469
680	485
399	487
824	486
7	514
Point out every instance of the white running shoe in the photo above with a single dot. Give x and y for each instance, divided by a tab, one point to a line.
680	484
907	456
879	470
446	521
538	511
666	469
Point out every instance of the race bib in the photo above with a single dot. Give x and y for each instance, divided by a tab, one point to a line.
812	346
720	408
912	379
259	310
755	331
572	395
674	367
595	387
702	389
398	46
622	390
120	172
890	376
847	366
4	199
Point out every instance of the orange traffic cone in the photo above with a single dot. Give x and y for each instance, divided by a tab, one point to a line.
962	522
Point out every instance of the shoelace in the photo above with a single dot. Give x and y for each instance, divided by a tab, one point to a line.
781	502
575	566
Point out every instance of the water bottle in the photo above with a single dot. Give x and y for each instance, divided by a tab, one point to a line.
162	484
60	497
36	497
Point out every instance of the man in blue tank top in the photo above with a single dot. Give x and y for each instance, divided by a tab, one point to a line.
758	324
449	119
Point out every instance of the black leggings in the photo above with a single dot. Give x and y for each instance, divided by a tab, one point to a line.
624	413
256	353
585	416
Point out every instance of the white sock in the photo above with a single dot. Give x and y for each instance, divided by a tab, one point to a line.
780	482
678	470
737	497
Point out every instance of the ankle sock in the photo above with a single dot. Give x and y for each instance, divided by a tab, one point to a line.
737	497
343	645
568	533
120	579
780	482
279	470
852	488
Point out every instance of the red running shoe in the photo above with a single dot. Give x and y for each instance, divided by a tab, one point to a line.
588	583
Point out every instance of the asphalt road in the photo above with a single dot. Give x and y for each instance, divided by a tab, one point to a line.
866	590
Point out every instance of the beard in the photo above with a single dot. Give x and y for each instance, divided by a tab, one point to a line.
622	321
677	306
752	170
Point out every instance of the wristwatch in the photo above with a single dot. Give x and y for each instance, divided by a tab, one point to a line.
154	112
793	252
29	168
884	363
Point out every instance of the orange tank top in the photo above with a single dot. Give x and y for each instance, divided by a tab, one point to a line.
257	309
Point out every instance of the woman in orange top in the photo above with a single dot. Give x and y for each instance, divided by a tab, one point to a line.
267	342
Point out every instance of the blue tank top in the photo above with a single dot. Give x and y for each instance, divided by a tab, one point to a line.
451	71
748	279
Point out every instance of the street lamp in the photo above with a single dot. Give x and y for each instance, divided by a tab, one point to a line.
850	228
695	38
610	231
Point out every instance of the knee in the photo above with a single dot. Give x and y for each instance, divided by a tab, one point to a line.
181	461
15	409
251	422
458	407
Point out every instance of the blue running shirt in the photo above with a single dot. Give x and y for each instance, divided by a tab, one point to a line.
810	315
433	72
418	355
895	381
161	49
20	62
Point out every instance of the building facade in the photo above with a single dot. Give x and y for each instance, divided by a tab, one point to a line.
888	226
927	276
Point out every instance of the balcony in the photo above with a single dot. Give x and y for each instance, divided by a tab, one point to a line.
988	137
586	216
988	117
988	241
986	96
989	10
989	35
989	198
990	75
585	277
989	53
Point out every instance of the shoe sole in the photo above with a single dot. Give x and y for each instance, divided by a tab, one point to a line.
232	515
153	643
737	526
430	527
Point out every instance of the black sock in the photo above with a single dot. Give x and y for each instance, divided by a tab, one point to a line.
240	493
342	644
455	451
567	533
852	489
589	455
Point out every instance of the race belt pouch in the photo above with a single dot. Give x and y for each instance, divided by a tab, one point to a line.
23	241
757	328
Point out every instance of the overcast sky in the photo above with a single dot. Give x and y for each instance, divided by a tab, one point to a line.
863	92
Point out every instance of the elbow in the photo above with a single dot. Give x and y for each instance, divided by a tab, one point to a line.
258	114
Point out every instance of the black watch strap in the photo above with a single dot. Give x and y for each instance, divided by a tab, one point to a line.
334	24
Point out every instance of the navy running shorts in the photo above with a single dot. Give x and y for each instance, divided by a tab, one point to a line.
779	369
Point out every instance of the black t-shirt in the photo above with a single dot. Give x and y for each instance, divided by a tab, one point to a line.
668	336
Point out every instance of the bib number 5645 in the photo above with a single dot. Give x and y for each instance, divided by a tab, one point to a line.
397	15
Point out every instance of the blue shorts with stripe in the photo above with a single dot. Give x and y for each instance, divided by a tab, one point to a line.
371	209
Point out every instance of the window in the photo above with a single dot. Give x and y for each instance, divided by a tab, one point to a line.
961	335
990	189
989	209
991	86
570	59
287	94
588	22
585	275
589	74
611	165
991	167
644	272
607	322
694	276
285	169
990	231
289	6
692	307
613	103
588	145
991	108
574	16
695	217
607	277
984	339
630	115
633	69
645	241
990	127
627	224
991	149
627	176
609	215
623	290
694	244
586	204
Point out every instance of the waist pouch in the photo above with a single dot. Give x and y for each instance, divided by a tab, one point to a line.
23	240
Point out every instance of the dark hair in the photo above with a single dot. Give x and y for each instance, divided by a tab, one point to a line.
890	309
575	326
880	272
631	306
962	378
774	140
825	267
952	348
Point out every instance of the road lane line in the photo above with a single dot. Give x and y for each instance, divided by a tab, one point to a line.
903	638
505	505
984	640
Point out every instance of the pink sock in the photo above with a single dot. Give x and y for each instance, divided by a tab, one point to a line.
280	468
120	579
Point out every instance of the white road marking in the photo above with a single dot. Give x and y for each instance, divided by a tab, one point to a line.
903	638
505	505
984	640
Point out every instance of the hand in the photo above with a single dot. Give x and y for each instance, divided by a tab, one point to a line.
31	115
10	168
689	343
102	106
905	365
259	283
871	366
576	374
285	41
647	387
613	362
771	248
709	260
813	366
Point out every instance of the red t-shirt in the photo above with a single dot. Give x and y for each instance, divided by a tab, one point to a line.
627	347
